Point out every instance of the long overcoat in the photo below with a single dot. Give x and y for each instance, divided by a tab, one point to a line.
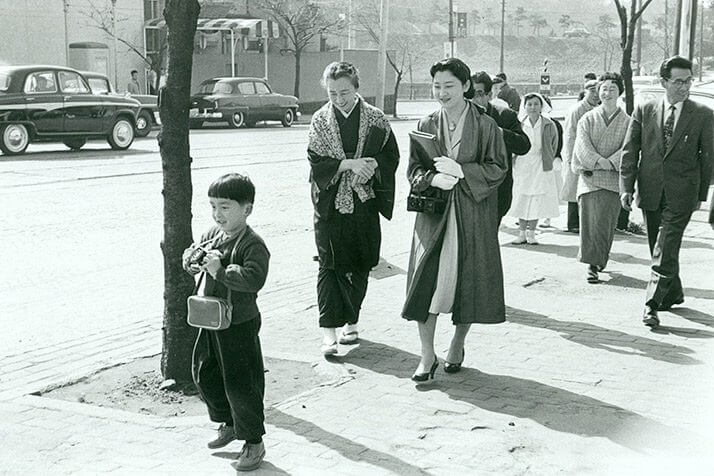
479	290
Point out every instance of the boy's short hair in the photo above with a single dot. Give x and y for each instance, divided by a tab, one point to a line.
233	187
503	76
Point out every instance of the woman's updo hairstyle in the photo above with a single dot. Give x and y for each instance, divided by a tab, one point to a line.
614	77
340	69
459	69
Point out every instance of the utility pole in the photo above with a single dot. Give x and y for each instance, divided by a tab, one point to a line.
503	29
638	53
66	34
116	42
666	29
701	41
451	27
382	60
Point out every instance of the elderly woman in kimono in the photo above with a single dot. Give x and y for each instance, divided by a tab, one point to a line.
353	157
455	260
596	161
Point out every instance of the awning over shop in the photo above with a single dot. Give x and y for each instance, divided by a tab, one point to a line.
254	27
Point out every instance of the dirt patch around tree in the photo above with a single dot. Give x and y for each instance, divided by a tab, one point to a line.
135	387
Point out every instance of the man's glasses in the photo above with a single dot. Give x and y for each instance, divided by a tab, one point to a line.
681	82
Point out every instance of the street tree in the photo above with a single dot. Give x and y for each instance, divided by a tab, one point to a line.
565	21
519	16
105	19
604	31
178	338
628	25
538	23
303	21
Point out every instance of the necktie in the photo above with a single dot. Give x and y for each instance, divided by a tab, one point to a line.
668	128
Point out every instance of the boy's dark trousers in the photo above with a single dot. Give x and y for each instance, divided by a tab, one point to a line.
228	371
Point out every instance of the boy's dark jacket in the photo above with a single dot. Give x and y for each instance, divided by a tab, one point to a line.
245	276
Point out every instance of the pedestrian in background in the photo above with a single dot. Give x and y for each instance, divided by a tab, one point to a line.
668	153
534	192
513	136
455	260
557	161
134	87
353	157
596	161
228	364
587	77
509	94
570	180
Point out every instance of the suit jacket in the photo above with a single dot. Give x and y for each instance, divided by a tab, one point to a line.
516	140
510	95
683	171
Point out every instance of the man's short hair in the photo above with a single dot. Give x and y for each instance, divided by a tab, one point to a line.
589	76
497	80
233	187
134	71
482	77
502	75
665	70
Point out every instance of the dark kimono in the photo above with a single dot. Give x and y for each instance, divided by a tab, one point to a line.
479	284
347	229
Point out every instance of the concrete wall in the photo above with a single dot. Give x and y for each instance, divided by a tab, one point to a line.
209	62
33	32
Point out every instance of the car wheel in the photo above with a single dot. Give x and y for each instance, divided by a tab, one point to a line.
288	118
236	120
14	139
195	124
75	144
143	124
121	135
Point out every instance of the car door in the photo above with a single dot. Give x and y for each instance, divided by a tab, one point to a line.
269	103
44	102
84	112
250	99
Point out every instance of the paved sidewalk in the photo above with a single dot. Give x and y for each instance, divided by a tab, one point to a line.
571	384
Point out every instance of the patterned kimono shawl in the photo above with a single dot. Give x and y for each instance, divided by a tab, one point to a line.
325	140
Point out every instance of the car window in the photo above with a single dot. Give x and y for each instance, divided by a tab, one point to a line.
4	81
98	85
40	82
72	82
701	99
246	88
261	88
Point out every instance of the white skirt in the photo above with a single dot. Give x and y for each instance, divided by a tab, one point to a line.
535	191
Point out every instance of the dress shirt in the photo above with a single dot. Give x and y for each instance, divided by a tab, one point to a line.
677	112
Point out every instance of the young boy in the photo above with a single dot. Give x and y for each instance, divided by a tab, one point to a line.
228	364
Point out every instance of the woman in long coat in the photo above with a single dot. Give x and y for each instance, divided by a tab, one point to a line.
455	260
353	157
596	161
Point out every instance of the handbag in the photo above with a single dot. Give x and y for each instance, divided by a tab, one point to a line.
432	200
210	312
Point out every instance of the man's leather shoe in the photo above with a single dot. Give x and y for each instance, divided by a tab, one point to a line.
225	436
650	318
666	306
251	457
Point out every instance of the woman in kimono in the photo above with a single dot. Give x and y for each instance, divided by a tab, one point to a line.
596	160
353	157
535	194
455	260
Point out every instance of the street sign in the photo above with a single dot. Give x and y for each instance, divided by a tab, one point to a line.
545	83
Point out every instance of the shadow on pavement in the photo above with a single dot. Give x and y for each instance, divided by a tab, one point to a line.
552	407
620	280
346	447
602	338
693	315
266	467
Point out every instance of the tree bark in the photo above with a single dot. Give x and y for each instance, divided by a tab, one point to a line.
296	88
178	337
396	92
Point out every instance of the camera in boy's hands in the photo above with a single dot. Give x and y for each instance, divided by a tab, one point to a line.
197	255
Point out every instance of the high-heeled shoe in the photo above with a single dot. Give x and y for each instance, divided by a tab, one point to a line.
427	375
450	368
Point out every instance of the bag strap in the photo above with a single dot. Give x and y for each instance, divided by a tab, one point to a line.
232	258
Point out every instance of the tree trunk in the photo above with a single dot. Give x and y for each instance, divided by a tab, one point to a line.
296	89
178	337
396	91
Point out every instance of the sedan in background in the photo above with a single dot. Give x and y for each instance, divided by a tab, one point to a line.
55	104
240	102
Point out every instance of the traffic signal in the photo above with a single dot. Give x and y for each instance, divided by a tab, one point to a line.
461	25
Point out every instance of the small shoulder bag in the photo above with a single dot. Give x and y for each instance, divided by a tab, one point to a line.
210	312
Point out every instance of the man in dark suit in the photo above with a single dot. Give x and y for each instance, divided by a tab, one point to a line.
668	152
516	140
508	93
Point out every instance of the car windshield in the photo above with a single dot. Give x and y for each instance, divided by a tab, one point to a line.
213	87
4	81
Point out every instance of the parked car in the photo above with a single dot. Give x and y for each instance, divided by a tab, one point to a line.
576	33
55	104
148	114
240	102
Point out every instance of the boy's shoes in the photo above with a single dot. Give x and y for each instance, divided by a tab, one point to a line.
225	436
250	457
